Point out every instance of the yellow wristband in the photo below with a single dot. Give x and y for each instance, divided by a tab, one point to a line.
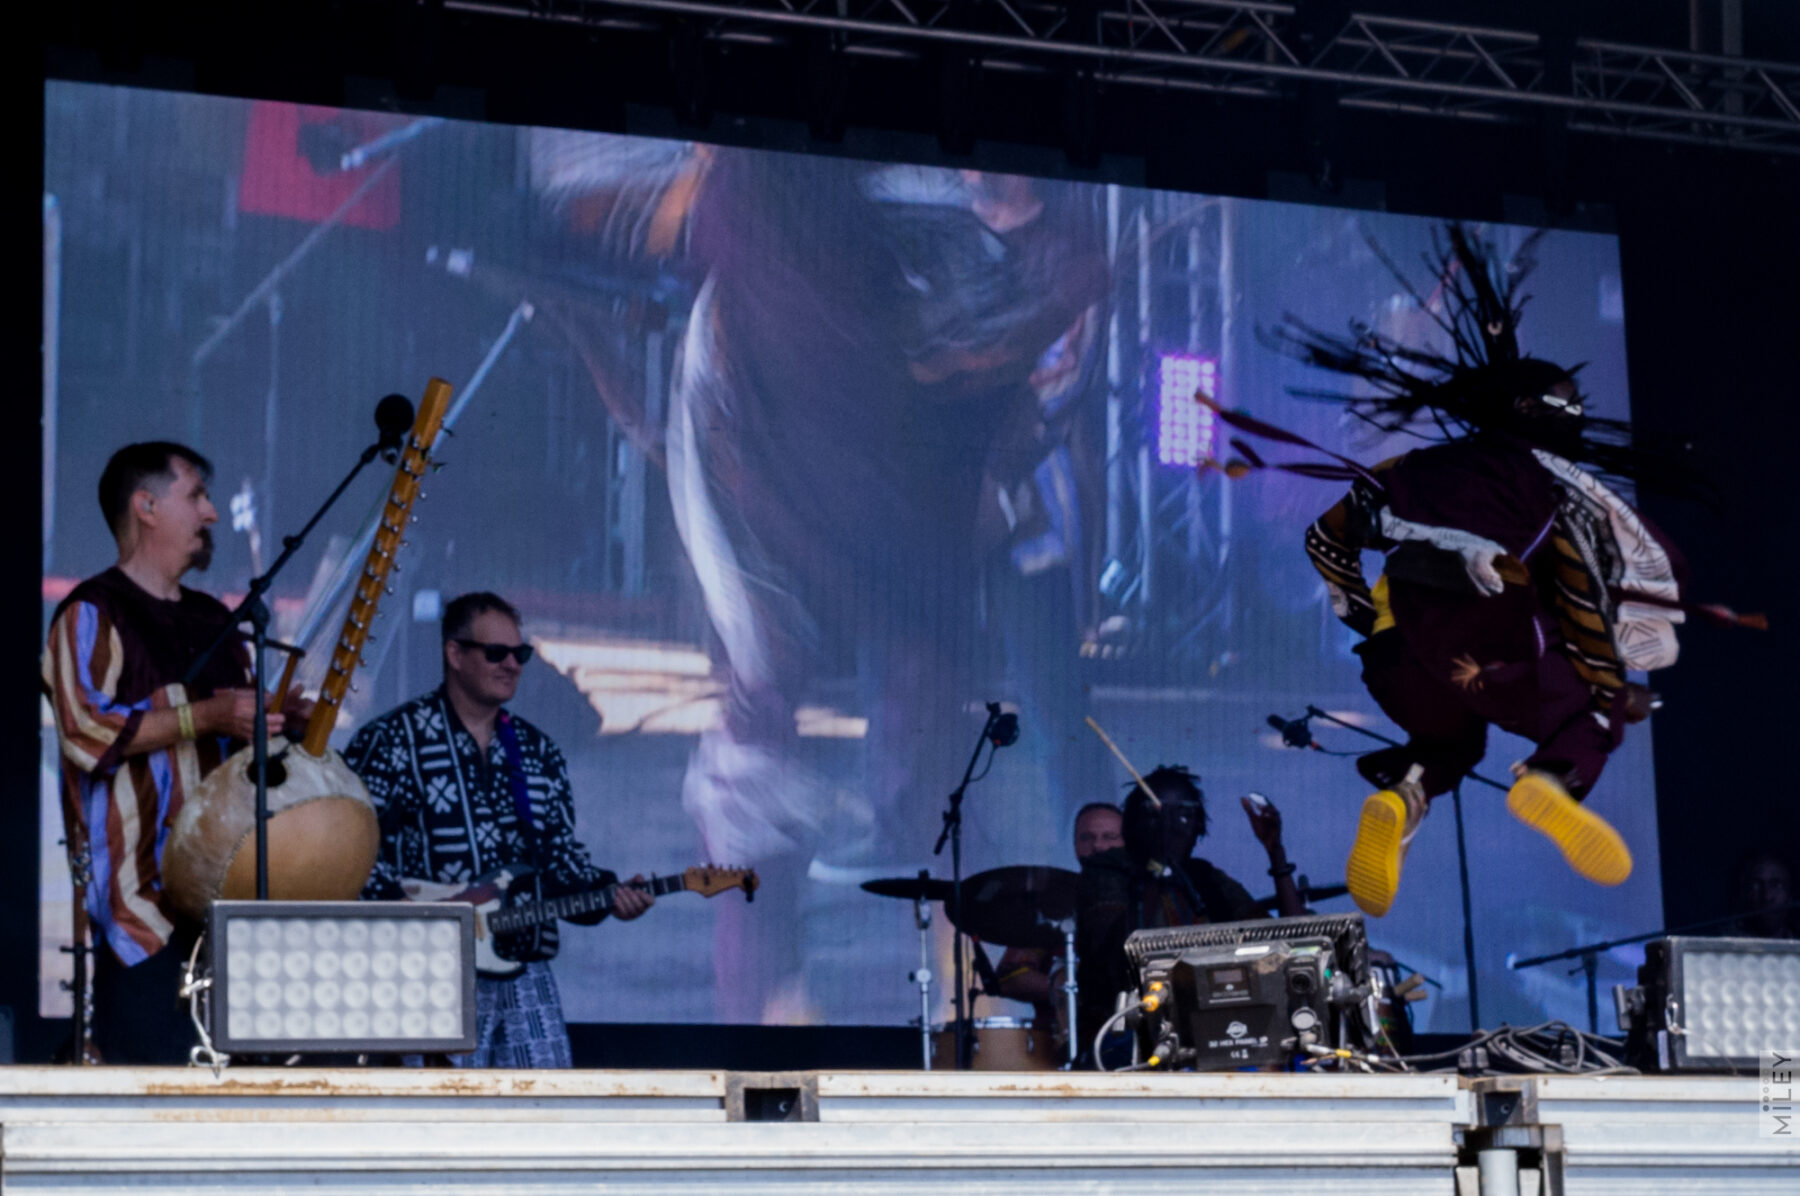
184	716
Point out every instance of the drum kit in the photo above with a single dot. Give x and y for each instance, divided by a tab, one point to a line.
1023	906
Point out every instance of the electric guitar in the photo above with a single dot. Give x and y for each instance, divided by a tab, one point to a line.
512	910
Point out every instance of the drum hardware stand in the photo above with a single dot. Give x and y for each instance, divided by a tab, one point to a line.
922	977
1462	858
255	611
1002	730
1070	988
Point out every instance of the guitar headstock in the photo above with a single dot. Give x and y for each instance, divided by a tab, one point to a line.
709	880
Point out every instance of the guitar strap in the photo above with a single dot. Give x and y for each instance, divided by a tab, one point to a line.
521	792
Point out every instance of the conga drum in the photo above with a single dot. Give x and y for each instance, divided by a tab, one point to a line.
323	833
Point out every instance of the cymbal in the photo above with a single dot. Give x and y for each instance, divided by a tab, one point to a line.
1018	906
910	888
1308	894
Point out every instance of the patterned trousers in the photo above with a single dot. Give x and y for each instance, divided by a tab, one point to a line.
519	1022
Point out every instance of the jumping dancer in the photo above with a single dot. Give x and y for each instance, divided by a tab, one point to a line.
1518	588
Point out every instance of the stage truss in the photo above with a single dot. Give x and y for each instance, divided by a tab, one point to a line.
1258	49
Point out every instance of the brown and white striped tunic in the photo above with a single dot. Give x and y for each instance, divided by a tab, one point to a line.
115	653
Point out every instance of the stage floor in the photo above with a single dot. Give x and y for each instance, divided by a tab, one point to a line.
444	1133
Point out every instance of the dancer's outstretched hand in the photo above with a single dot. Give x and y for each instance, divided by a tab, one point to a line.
1640	701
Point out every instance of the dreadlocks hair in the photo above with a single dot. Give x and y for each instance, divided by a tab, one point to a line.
1477	385
1173	781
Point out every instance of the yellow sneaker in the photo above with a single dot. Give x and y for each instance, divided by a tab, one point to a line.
1590	844
1389	820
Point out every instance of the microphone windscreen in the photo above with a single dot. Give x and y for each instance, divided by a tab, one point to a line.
394	418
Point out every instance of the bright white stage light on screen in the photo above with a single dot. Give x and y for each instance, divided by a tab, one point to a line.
1715	1004
1184	428
342	976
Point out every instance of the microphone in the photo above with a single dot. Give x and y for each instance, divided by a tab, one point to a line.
1003	729
1295	732
394	419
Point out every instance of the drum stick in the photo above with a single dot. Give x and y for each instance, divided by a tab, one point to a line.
1114	748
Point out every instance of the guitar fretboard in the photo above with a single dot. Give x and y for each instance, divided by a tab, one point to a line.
520	916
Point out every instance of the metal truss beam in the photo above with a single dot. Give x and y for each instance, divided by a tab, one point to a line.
1258	48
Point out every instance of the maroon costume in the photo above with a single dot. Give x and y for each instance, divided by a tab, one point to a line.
1493	487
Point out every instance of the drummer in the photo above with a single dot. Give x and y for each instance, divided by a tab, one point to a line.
135	739
1153	880
1033	974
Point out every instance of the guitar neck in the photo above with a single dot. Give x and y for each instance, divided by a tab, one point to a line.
377	567
576	904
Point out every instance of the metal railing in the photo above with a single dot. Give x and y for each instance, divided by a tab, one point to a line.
1257	48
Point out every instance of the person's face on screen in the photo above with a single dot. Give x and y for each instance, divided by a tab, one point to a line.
490	683
1098	830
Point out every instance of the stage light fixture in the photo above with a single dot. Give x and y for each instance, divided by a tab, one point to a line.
1229	995
1712	1004
1184	428
342	976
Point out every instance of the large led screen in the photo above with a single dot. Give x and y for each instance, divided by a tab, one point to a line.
793	463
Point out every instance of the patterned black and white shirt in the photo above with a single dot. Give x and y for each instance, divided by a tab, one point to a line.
446	808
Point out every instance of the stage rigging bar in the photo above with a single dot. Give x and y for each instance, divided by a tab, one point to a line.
1257	48
142	1130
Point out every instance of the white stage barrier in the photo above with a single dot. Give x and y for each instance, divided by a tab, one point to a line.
446	1133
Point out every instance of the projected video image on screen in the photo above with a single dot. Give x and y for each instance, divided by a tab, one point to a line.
792	464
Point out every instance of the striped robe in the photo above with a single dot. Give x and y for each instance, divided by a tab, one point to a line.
114	654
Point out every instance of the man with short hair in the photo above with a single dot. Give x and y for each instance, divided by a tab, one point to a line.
136	739
1032	974
463	786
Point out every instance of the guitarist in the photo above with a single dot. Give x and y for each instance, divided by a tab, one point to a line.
463	786
135	741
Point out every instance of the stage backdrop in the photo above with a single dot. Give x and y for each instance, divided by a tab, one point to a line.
792	463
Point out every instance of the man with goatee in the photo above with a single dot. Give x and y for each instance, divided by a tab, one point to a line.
135	739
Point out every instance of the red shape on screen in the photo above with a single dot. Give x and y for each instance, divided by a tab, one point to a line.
290	155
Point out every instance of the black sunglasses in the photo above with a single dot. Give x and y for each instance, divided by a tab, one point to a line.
496	653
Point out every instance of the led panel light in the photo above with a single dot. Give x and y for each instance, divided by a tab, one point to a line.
336	976
1184	428
1715	1004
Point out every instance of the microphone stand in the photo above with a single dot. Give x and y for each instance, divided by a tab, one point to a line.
255	610
1462	857
952	833
1589	954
